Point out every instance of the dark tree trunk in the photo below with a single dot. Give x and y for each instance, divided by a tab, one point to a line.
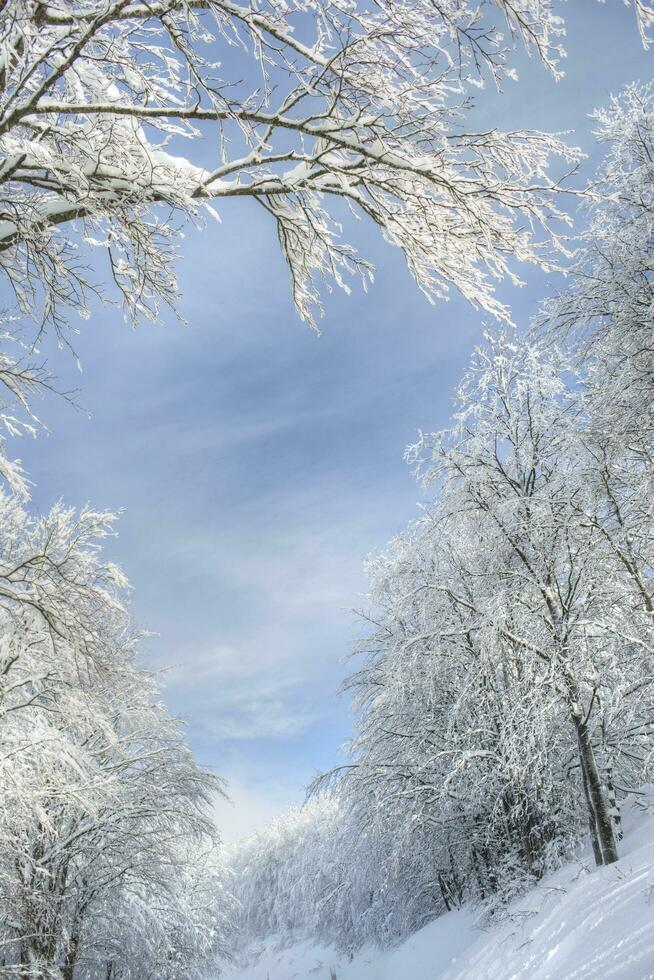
598	806
596	801
68	970
592	825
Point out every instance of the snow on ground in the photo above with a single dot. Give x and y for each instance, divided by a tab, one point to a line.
423	956
584	922
581	923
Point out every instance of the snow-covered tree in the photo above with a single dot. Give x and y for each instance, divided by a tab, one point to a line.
605	318
550	585
120	121
303	103
59	599
605	312
108	854
450	739
21	381
339	874
503	699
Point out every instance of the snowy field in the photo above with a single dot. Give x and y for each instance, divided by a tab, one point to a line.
580	924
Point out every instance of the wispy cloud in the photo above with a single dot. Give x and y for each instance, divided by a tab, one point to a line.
230	698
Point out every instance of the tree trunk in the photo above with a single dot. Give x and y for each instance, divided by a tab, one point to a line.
71	955
592	825
598	807
613	804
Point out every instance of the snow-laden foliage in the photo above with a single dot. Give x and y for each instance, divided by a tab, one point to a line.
120	121
21	380
503	696
108	856
606	318
303	103
606	313
337	874
577	922
504	703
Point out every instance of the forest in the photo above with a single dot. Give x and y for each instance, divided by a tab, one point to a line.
501	687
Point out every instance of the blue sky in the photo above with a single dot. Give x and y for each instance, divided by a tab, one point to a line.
258	464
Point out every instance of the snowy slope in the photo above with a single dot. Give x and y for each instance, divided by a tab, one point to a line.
595	924
579	924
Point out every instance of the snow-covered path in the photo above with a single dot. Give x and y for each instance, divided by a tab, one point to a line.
579	924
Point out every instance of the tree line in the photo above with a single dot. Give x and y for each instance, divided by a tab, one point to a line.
503	693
